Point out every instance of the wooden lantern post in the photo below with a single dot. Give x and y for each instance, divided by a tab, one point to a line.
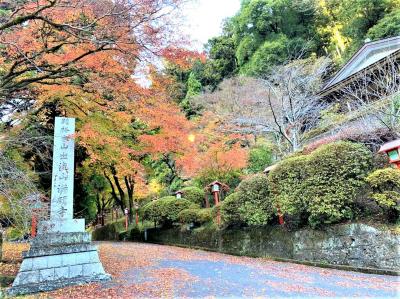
215	188
392	149
34	224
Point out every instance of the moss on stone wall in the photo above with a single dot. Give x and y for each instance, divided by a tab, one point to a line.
109	232
356	245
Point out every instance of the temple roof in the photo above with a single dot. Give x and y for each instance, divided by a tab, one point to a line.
367	55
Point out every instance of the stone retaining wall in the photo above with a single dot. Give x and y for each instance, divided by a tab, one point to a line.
356	245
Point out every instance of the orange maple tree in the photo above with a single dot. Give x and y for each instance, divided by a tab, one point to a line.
79	55
213	149
81	60
45	41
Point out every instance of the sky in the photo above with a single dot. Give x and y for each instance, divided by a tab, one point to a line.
203	19
200	21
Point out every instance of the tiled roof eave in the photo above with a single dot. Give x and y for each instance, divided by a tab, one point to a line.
336	86
371	46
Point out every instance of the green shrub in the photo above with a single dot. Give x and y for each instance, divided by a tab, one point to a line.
250	204
380	161
322	185
194	194
197	216
187	215
205	215
337	173
15	233
256	206
229	210
260	157
385	184
166	209
287	184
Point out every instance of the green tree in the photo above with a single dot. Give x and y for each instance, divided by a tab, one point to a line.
221	63
262	30
178	89
358	16
270	53
194	88
386	27
343	24
260	157
96	199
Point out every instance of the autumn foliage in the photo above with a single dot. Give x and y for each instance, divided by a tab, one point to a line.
48	40
78	59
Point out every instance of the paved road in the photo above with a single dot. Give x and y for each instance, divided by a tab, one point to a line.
144	270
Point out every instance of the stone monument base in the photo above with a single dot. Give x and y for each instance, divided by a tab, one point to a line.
56	260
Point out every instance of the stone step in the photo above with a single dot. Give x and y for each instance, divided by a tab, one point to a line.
45	275
50	285
60	239
54	250
49	268
59	260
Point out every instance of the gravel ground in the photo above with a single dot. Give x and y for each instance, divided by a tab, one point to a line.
146	270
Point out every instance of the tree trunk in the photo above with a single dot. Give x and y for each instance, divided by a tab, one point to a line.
114	193
98	206
171	165
130	185
120	191
1	246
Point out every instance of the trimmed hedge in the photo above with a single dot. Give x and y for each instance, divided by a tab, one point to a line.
229	210
322	185
194	194
337	173
166	209
385	184
196	216
256	203
287	184
251	204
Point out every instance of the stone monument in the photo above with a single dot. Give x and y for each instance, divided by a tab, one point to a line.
62	253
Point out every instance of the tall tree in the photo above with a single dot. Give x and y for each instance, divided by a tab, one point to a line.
343	25
284	105
48	40
76	59
274	29
388	26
